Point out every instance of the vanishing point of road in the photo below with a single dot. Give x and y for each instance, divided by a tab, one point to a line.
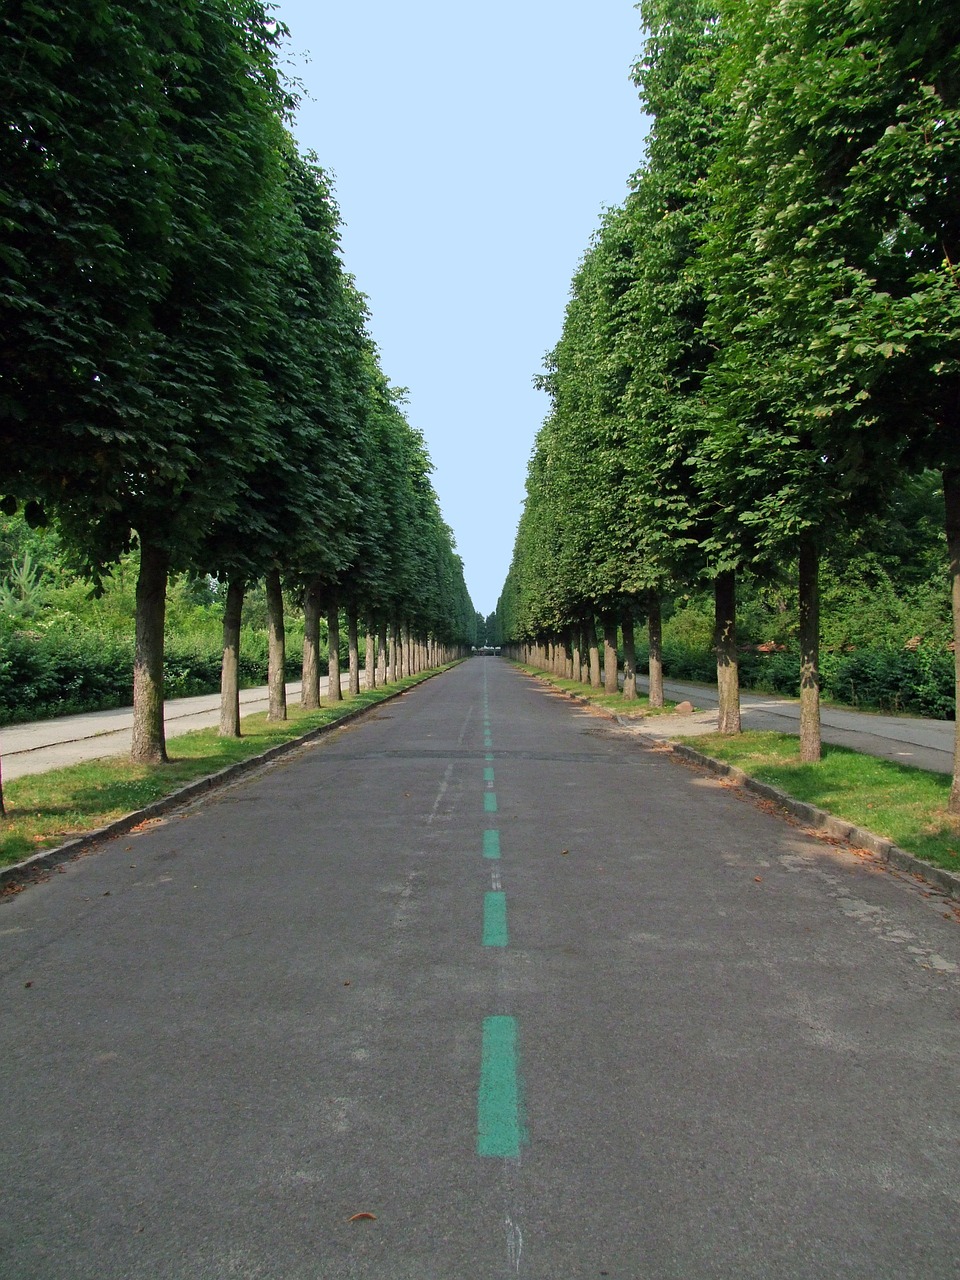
479	986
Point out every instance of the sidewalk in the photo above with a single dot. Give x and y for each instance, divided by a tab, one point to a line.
52	744
910	740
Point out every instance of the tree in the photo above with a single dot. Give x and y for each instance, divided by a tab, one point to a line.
839	238
671	354
133	283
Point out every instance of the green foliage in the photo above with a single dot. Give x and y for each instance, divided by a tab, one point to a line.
21	593
185	365
760	354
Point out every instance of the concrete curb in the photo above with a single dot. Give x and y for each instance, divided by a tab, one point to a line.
884	850
35	867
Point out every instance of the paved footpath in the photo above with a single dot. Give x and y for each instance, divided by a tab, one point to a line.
911	740
482	965
51	744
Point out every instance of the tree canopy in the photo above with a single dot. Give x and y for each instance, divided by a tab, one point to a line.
763	342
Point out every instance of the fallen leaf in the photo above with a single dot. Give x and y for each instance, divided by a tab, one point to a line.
358	1217
759	879
28	984
564	851
347	983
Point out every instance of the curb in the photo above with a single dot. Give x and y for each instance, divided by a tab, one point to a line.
32	869
884	850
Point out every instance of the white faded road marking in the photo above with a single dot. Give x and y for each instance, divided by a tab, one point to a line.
440	794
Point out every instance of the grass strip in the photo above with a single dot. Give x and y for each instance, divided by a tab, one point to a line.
46	809
626	707
905	804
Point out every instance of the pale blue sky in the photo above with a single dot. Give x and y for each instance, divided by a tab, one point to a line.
474	149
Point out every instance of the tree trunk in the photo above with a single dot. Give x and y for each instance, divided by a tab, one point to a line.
3	812
353	651
655	634
392	653
310	675
230	667
629	657
809	609
370	654
611	683
405	669
725	644
576	671
276	650
596	680
334	692
149	745
382	651
951	493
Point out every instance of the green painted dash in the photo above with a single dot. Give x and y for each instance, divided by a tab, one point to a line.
489	802
488	775
495	919
500	1127
491	844
488	756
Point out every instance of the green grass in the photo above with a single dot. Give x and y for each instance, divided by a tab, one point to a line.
640	706
907	805
44	809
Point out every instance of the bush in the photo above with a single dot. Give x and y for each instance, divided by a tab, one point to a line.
919	681
54	675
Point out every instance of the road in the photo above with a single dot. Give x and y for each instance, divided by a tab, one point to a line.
484	966
911	740
51	744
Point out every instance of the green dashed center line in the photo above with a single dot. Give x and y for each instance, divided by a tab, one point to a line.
491	844
500	1127
495	919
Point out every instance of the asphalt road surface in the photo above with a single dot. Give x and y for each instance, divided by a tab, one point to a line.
537	998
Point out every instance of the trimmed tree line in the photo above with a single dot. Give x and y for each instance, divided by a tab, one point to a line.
762	343
185	365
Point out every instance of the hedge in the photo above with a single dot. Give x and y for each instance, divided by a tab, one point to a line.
46	675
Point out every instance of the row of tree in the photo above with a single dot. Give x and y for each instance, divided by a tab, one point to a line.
184	362
765	339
